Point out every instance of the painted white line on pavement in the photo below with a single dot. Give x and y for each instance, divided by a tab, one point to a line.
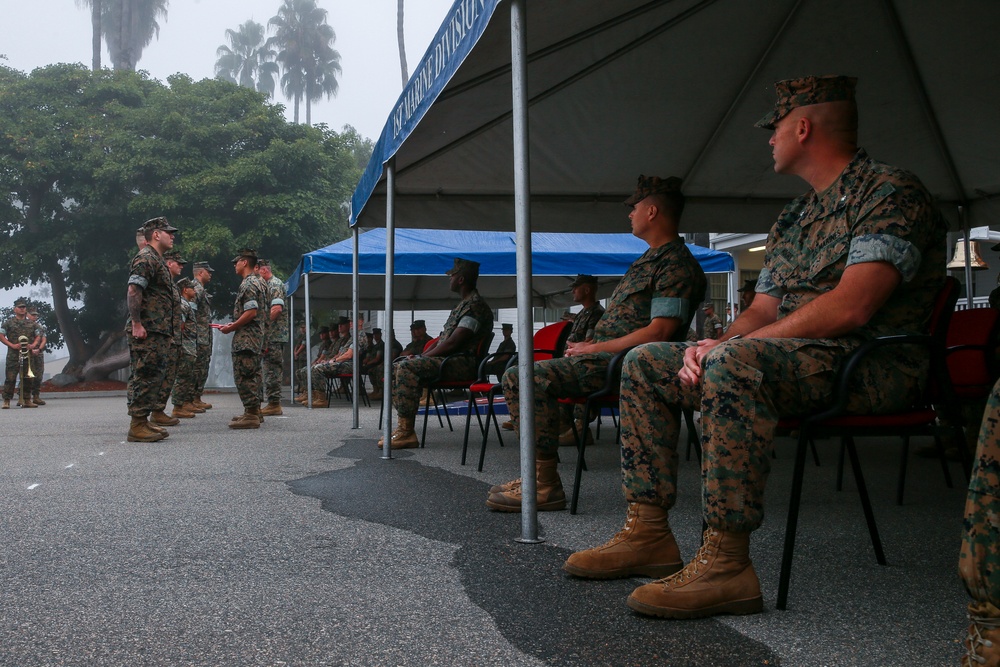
33	486
71	465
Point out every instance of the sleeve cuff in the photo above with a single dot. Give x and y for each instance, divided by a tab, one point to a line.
138	281
765	284
470	323
886	248
669	306
250	305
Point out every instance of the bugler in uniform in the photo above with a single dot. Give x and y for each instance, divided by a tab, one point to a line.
13	329
37	357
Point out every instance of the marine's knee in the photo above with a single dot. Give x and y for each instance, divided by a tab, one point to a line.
652	360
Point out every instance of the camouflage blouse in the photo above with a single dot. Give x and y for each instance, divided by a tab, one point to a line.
584	322
160	311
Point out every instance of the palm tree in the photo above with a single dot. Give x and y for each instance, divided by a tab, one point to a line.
129	26
250	61
95	27
402	45
309	62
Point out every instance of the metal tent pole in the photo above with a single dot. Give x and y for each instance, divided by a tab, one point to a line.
522	228
356	357
390	270
309	381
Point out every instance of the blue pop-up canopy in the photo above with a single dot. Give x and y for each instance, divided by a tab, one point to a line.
422	256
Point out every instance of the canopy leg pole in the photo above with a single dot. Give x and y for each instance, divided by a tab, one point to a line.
390	271
356	357
969	288
522	228
291	345
309	379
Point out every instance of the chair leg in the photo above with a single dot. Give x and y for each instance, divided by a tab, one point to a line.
444	404
840	464
793	519
490	412
904	455
581	463
423	434
468	422
812	446
866	503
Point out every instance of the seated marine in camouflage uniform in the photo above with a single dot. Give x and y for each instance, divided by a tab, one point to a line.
654	301
340	364
979	560
468	324
860	255
584	323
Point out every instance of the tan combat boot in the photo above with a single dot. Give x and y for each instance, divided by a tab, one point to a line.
301	398
720	579
393	434
202	404
506	486
139	431
160	417
28	404
549	492
249	419
191	407
319	400
645	546
568	439
404	437
37	400
272	409
982	644
180	412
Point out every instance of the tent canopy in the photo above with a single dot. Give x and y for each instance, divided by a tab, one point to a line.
673	87
424	255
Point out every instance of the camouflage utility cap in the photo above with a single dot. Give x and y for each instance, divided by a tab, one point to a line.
343	321
377	331
21	303
174	255
248	253
33	310
418	324
264	262
183	283
507	327
464	266
203	265
324	330
653	185
794	93
584	279
159	223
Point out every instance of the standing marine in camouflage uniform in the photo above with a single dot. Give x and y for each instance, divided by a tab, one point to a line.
277	338
153	321
186	382
37	357
202	273
979	560
654	301
248	331
860	255
468	324
584	323
174	265
712	327
13	330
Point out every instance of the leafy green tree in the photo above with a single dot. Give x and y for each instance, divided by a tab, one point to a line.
248	61
86	157
310	65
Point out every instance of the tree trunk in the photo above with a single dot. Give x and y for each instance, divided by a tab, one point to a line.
95	25
308	111
111	356
402	45
79	351
296	106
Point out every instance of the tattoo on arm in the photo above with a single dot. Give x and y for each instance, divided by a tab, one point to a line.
134	301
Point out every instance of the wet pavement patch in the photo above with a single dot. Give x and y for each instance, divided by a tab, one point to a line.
536	606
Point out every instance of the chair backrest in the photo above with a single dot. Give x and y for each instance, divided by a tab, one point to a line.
939	387
550	341
972	347
483	348
431	343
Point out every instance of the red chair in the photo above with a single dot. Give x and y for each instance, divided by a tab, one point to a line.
549	343
920	419
381	413
972	353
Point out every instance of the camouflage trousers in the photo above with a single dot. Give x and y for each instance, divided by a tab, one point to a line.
410	375
746	387
554	379
329	369
13	369
202	364
175	352
151	364
247	373
273	366
979	559
38	368
186	382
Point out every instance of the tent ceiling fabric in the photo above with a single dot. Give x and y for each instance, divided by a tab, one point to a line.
673	87
423	255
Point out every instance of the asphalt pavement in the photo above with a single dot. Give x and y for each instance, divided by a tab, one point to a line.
296	544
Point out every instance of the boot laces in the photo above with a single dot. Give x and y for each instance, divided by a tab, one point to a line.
630	520
702	557
975	639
